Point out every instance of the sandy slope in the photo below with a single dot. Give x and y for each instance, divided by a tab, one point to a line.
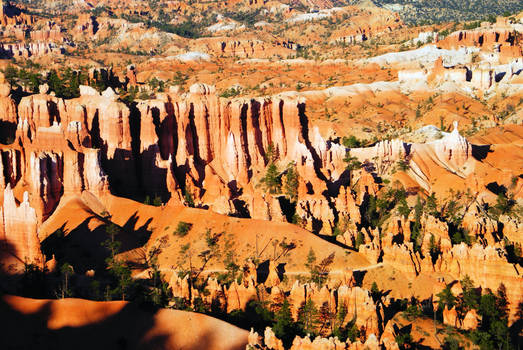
83	324
250	238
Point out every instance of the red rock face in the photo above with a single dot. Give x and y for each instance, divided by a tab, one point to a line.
18	230
28	50
48	33
366	26
485	39
244	48
504	41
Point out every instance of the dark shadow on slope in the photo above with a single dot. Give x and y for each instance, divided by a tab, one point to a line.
332	239
124	330
262	272
83	246
135	237
480	152
496	188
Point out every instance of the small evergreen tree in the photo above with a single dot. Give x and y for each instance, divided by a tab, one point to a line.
189	201
182	229
291	182
403	208
272	180
360	239
325	318
352	164
308	317
434	249
159	293
471	297
446	298
66	270
351	142
118	270
284	327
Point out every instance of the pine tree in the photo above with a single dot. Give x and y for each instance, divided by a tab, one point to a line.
118	270
272	180
360	239
159	292
470	296
66	270
325	317
434	249
501	301
284	327
291	182
308	317
446	298
352	164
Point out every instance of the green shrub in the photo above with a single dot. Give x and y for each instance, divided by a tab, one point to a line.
351	142
182	229
230	92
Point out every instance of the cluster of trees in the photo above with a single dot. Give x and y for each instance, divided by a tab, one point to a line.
312	319
319	273
352	142
64	85
505	205
438	11
231	92
22	77
376	209
493	331
248	18
155	201
188	29
272	180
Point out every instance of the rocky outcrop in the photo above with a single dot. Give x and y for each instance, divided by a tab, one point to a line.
271	342
30	49
486	39
244	48
215	150
468	322
18	230
86	25
366	24
453	151
49	32
450	317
